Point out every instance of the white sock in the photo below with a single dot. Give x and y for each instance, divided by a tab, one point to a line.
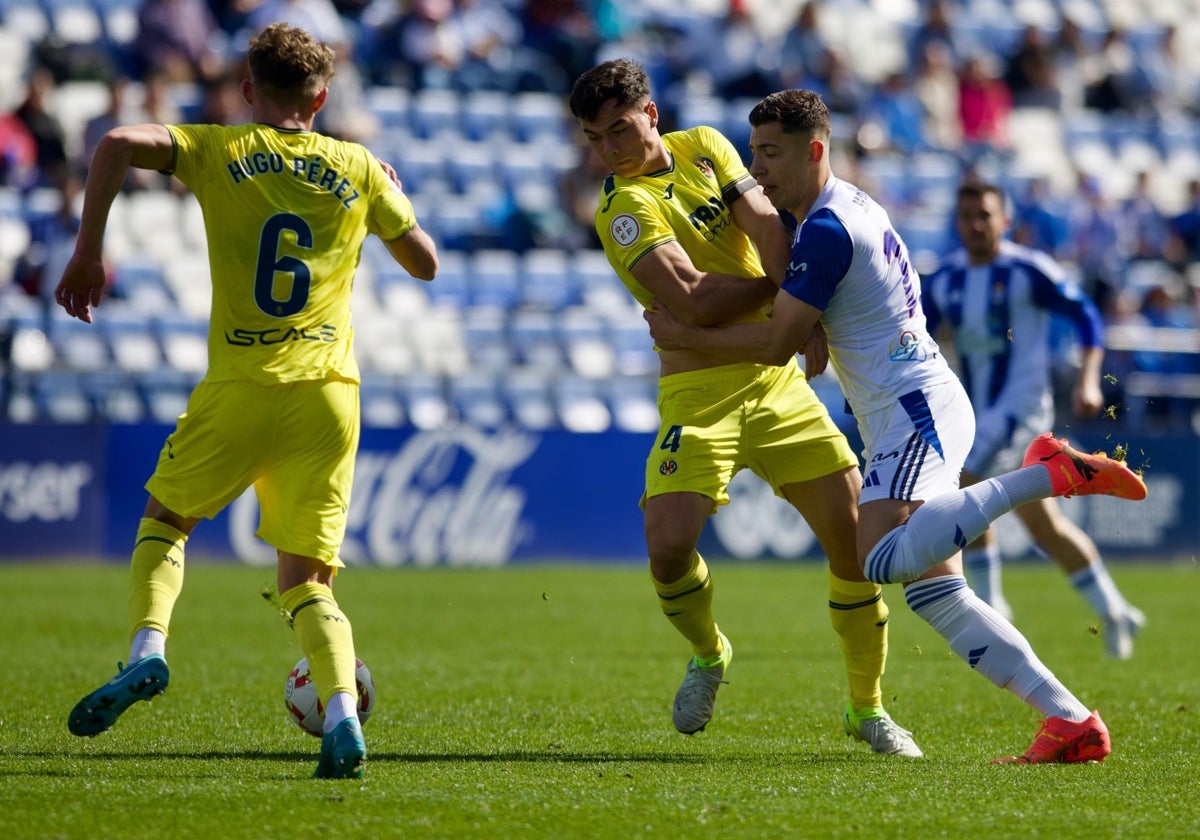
990	644
1098	589
147	641
341	705
938	530
983	571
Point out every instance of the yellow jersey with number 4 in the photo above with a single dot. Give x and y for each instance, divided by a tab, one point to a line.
285	214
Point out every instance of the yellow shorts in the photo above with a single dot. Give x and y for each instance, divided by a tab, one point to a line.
294	442
718	421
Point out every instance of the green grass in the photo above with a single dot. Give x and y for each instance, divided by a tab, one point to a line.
534	702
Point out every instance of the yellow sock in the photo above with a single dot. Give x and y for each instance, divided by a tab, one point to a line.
325	638
155	575
687	604
859	616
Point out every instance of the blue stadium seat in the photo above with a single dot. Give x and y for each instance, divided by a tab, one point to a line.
534	339
425	400
476	398
547	281
487	116
584	336
528	392
485	331
381	405
633	401
494	278
581	405
433	114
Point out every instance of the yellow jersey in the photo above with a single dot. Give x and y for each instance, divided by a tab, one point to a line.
688	202
285	214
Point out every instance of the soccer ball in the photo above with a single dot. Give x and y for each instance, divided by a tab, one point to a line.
304	707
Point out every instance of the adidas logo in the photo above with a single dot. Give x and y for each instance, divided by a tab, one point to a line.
872	479
960	539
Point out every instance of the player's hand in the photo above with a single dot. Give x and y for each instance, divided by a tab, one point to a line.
390	171
816	352
665	328
1086	399
81	287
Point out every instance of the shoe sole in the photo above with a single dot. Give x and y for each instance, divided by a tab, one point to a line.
98	711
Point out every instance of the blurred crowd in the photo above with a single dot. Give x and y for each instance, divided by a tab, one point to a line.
908	81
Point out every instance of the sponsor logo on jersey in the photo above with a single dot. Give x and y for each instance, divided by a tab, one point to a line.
625	230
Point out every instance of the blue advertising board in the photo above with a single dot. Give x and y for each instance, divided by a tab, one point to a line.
460	495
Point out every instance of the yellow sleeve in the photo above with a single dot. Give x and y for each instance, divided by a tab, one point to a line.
630	224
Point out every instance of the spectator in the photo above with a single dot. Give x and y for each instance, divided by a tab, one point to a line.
1184	229
803	53
936	86
1029	72
177	38
45	129
1109	75
1143	225
1039	220
983	107
1095	242
897	108
735	54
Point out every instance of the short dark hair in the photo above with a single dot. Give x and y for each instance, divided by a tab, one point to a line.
978	188
288	63
798	111
620	79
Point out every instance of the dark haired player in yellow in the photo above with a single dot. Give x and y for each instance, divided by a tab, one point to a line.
286	211
686	228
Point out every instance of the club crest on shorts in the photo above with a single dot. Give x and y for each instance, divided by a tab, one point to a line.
668	467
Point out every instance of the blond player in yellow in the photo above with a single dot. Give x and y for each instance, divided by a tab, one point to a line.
684	225
286	211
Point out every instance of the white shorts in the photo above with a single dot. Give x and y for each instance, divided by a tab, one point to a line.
915	449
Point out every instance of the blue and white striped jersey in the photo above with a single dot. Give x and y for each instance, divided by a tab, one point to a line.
999	315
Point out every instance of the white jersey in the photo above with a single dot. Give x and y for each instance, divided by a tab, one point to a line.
999	315
848	262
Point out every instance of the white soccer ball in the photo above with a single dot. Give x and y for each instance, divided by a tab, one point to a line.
305	708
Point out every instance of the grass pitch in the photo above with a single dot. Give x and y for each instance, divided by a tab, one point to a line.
534	702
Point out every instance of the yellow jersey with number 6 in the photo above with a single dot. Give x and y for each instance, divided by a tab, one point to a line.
285	214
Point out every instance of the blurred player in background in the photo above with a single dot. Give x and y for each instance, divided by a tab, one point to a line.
994	298
286	211
682	222
851	271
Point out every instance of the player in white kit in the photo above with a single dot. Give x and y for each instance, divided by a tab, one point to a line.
994	299
851	271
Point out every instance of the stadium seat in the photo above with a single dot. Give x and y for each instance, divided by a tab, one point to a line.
546	280
434	114
77	345
390	106
438	340
581	406
584	337
599	286
383	345
487	115
61	398
472	161
494	279
380	401
633	401
184	341
476	398
165	392
539	117
535	341
425	400
528	392
449	287
486	336
633	346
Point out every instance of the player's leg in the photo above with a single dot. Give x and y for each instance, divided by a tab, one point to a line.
304	497
982	564
795	447
935	444
857	610
949	521
1076	554
198	471
687	473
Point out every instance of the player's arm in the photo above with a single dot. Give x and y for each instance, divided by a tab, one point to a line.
141	146
697	297
770	342
1067	299
754	214
416	252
